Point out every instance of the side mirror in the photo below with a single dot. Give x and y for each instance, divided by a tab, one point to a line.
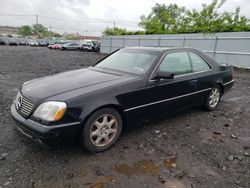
164	75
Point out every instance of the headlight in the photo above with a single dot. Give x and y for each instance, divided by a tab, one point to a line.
50	111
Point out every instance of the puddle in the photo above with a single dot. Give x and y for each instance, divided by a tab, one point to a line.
126	169
174	184
149	167
145	167
102	182
170	163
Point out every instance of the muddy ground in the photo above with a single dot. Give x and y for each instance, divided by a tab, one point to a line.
192	149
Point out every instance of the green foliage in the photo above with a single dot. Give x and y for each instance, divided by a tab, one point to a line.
53	34
71	37
25	31
174	19
115	31
120	31
38	30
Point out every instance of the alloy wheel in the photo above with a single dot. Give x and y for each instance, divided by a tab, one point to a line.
214	97
103	130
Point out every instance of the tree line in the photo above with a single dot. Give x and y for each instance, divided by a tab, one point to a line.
38	30
174	19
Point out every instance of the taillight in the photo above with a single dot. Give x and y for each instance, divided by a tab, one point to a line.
233	72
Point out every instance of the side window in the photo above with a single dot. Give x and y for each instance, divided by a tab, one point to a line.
177	63
198	63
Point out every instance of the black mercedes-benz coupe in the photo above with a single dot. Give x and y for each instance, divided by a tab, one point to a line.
95	103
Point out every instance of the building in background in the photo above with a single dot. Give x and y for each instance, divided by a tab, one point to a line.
7	30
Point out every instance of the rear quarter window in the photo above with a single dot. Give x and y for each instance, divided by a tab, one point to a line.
198	63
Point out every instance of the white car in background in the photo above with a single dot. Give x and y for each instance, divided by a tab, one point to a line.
33	43
87	46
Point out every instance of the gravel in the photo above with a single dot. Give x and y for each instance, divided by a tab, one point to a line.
200	142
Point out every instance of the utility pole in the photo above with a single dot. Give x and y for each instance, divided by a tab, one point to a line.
50	31
36	19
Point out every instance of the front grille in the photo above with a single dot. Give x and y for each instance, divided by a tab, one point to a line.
24	105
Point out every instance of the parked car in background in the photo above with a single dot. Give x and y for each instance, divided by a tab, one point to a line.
33	43
13	42
50	43
87	45
71	46
2	42
96	103
43	43
23	42
57	45
96	45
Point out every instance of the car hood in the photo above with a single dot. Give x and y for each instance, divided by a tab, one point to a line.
42	88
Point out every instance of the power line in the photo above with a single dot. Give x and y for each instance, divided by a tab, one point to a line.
94	19
11	15
67	20
69	28
84	30
127	24
100	21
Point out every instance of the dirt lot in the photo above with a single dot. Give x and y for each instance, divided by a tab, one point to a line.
191	149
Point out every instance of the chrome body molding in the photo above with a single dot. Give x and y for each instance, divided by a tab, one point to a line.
228	82
165	100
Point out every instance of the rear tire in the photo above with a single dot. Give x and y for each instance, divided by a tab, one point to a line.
213	98
101	130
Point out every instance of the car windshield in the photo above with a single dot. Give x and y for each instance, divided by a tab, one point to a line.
131	61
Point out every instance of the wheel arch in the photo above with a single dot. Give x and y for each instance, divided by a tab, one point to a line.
221	87
114	106
111	105
220	84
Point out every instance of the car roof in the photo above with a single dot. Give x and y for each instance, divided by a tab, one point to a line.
160	49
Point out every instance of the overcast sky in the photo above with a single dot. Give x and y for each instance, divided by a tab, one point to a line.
91	16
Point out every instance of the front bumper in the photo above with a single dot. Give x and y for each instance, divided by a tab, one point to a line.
49	136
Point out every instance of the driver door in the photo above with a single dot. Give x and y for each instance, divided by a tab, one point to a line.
173	93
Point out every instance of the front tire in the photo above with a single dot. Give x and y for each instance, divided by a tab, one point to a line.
213	98
101	130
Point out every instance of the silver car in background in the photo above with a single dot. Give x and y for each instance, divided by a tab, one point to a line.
71	46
